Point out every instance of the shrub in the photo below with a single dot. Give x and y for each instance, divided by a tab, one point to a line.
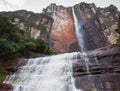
118	30
13	43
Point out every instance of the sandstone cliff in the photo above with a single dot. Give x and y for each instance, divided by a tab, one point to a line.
56	25
99	25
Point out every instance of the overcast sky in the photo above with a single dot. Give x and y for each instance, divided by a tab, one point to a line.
38	5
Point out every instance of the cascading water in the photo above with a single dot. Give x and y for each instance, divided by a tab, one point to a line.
50	73
80	37
96	60
79	31
45	74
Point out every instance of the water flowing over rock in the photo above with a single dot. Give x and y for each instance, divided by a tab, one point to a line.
62	33
96	23
104	70
55	25
80	34
47	74
68	72
84	28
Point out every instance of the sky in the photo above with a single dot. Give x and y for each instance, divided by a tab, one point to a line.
38	5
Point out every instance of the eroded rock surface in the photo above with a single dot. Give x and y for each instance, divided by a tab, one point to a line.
99	25
104	70
6	87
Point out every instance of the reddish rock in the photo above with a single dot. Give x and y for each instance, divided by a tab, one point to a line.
95	23
35	33
13	65
63	33
6	87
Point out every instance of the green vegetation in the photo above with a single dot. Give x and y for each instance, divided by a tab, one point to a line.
3	73
91	89
15	42
118	30
29	19
107	24
118	41
2	77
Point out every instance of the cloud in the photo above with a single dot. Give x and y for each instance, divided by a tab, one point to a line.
38	5
4	6
18	3
9	5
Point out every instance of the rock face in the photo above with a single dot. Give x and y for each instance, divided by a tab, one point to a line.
62	34
99	25
56	25
36	24
6	87
104	70
108	18
12	66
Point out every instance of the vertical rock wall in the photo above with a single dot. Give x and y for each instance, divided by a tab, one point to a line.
62	36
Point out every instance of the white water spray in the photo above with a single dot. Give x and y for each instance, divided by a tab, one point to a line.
80	37
96	60
49	73
45	74
79	33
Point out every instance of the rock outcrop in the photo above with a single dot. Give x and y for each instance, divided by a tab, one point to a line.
104	70
6	87
14	65
56	25
36	24
62	35
99	25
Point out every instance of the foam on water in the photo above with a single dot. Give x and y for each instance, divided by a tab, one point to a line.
45	74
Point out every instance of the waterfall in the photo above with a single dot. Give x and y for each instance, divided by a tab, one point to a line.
79	31
80	37
54	73
45	74
96	60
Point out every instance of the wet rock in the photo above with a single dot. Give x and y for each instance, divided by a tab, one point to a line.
62	35
6	87
97	22
100	82
11	69
104	74
102	52
12	66
55	25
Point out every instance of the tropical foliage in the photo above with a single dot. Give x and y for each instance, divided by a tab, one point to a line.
15	42
118	30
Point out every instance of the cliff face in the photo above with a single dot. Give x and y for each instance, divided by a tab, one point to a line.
99	25
36	24
104	70
56	25
108	18
62	33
